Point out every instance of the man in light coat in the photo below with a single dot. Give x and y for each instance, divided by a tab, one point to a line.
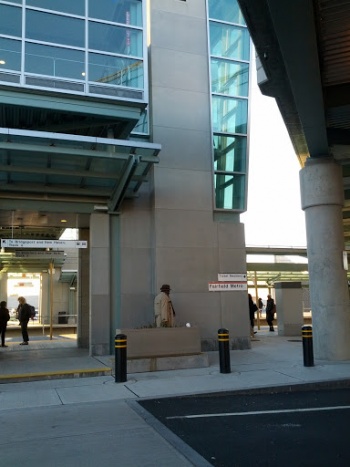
163	309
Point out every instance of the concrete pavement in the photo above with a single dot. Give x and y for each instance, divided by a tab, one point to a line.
273	362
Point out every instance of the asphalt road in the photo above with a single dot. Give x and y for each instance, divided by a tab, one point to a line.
307	428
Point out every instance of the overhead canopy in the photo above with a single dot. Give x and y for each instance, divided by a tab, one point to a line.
68	276
70	169
30	261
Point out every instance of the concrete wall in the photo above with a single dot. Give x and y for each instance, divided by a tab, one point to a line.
170	233
289	308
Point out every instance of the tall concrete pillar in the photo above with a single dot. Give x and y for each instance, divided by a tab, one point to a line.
83	295
322	200
289	308
100	284
3	286
45	299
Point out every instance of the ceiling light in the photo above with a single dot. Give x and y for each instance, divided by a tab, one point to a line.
2	62
63	221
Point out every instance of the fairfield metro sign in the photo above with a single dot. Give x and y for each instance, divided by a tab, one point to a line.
229	283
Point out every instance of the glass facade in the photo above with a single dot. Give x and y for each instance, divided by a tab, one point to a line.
88	46
229	69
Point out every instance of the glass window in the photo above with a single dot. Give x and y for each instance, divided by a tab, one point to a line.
225	10
118	11
229	41
57	29
10	54
229	191
116	70
54	61
229	77
229	115
11	20
230	153
74	7
115	39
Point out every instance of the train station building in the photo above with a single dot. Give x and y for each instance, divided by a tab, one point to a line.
127	120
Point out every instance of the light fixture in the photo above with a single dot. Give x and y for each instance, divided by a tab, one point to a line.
63	221
2	62
100	207
83	73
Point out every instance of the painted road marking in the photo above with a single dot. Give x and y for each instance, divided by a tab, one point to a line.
263	412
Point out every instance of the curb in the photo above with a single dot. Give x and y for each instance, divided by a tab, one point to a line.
41	376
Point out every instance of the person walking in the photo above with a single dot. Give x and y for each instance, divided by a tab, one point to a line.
164	313
270	311
4	317
24	314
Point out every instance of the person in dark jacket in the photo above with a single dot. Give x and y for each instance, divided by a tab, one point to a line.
252	309
24	314
4	317
270	311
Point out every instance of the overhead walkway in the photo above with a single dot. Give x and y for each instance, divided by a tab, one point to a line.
267	265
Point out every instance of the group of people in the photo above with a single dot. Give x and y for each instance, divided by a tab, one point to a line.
164	312
270	310
23	314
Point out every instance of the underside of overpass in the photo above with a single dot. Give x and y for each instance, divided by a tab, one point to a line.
303	61
303	50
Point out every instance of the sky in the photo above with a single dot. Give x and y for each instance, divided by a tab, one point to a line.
274	216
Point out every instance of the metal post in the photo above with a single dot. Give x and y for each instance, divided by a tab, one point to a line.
224	350
307	346
120	358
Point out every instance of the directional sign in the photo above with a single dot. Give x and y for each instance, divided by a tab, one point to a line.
25	243
232	277
226	286
39	254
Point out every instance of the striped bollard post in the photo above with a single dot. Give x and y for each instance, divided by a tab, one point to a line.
224	350
120	358
308	350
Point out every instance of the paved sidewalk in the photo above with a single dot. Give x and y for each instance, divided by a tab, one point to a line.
98	404
272	361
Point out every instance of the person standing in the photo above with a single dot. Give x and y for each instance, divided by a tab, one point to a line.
260	306
24	314
270	310
4	318
163	308
252	309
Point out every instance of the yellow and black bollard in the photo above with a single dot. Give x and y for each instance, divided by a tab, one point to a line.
120	358
308	350
224	350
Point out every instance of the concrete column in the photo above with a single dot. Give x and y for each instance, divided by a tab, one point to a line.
3	286
83	293
100	300
289	307
45	298
322	200
115	292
